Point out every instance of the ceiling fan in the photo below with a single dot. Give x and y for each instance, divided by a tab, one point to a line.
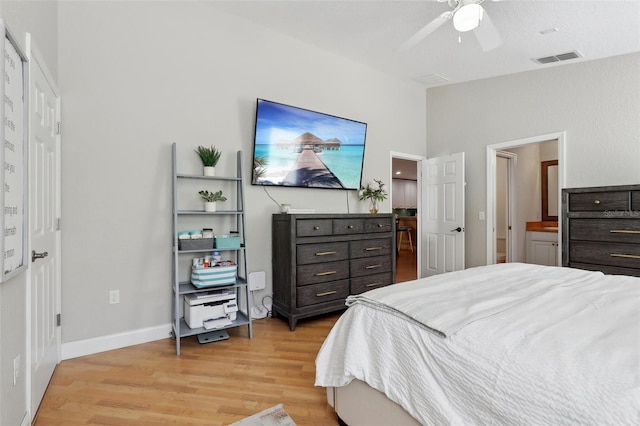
467	15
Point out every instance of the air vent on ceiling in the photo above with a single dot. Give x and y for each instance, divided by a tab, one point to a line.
557	58
432	80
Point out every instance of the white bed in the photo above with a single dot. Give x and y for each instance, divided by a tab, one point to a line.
512	344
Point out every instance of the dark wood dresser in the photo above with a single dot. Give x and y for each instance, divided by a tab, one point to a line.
601	229
320	259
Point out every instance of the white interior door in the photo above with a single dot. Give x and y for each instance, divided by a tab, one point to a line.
44	182
442	216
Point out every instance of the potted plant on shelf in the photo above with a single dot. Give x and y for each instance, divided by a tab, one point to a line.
209	157
210	199
373	192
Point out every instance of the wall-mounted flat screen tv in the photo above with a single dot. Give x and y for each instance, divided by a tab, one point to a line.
302	148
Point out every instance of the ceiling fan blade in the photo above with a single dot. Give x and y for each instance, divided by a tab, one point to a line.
425	31
487	34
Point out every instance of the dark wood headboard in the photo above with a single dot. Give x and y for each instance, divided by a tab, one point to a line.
601	229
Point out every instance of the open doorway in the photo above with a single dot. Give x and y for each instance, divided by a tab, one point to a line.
405	204
526	185
505	206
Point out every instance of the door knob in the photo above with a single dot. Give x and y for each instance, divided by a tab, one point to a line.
458	229
35	256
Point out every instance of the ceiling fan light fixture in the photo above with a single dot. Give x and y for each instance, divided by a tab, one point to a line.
467	17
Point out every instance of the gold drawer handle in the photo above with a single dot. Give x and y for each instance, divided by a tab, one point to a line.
624	231
350	227
373	284
326	293
322	274
381	225
315	228
325	253
373	248
596	202
626	256
374	266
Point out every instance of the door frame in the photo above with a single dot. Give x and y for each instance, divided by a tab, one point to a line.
491	153
35	56
418	159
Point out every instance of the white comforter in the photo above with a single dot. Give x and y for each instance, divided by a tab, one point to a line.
510	344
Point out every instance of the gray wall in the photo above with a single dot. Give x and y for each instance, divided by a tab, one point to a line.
597	103
40	19
137	76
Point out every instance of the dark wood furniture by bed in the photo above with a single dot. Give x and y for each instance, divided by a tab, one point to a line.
601	229
320	259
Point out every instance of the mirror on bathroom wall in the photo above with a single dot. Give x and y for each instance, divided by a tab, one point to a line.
549	175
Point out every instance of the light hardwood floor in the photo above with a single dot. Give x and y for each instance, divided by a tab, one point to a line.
406	266
212	384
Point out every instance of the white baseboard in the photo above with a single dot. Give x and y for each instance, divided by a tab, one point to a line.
114	341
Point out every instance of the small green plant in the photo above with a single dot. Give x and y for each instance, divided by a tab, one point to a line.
210	197
208	155
373	191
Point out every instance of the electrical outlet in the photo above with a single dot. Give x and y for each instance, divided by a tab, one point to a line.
114	297
16	369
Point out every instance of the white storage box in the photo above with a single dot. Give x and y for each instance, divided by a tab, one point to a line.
213	276
200	307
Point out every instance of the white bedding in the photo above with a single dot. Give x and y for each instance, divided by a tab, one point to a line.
515	344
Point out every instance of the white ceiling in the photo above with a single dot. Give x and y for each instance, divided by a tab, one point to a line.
370	32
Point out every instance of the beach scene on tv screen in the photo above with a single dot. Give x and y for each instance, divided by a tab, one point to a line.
298	147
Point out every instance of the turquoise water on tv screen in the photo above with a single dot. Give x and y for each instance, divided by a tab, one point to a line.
345	163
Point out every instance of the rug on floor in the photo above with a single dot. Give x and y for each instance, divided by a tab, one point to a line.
274	416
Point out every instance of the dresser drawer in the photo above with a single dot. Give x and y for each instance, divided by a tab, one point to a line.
635	203
322	272
368	248
605	269
611	230
370	265
376	224
614	254
321	252
370	282
314	227
326	292
348	226
599	201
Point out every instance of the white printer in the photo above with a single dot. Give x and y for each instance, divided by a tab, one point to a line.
212	305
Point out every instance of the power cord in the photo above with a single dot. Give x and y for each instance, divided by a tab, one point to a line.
269	195
269	311
347	194
259	312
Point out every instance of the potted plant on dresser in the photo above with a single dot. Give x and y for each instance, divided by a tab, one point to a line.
374	192
210	157
210	199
